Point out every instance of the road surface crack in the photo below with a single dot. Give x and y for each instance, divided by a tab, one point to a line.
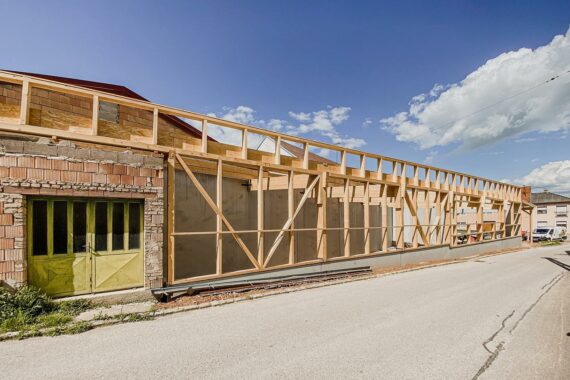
550	285
497	332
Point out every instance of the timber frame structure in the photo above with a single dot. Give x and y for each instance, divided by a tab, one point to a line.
380	206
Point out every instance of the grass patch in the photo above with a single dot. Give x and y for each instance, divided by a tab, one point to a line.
550	243
29	311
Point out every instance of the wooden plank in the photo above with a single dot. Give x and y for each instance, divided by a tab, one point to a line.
215	208
277	154
291	213
244	144
287	224
384	217
322	218
367	218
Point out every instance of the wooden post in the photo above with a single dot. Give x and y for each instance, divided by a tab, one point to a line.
244	144
204	147
346	217
367	218
155	126
343	162
95	116
170	216
322	218
260	227
400	240
362	165
25	102
277	156
384	216
219	225
290	213
306	156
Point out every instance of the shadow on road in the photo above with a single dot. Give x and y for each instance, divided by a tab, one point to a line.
559	263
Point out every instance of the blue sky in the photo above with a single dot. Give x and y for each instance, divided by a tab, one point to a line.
336	71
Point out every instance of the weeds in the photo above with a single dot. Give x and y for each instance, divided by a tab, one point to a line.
29	311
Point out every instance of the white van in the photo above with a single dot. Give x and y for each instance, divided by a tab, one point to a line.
549	233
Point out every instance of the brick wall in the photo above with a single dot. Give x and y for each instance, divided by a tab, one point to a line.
39	168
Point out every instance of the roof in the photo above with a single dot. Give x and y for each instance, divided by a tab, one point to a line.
115	90
548	197
298	152
127	92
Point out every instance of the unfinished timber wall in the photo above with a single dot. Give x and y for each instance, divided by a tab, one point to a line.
235	209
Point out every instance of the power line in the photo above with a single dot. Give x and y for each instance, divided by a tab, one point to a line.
507	98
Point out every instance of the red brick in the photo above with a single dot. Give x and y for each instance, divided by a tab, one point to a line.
119	169
99	178
6	219
59	164
114	179
8	161
13	231
76	166
4	172
84	177
42	163
17	172
147	172
26	162
133	171
13	254
69	176
6	243
36	174
52	175
157	182
106	168
139	181
127	179
91	167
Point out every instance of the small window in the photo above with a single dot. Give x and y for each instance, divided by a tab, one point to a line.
541	223
39	226
561	224
60	227
541	210
134	225
79	227
101	226
118	226
561	210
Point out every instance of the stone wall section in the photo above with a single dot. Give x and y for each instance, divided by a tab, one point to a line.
42	168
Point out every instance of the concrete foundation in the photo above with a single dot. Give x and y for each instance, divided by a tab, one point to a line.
385	260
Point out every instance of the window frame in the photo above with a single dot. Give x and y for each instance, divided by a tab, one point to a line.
90	226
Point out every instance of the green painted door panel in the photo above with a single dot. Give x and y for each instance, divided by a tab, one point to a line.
117	271
60	276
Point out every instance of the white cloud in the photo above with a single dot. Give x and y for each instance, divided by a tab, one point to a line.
367	122
554	176
431	156
323	123
450	114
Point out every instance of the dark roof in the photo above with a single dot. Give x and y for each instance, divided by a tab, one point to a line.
548	197
115	90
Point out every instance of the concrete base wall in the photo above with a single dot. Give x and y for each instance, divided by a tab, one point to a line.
386	260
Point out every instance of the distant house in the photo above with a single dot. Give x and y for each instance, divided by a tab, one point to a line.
551	209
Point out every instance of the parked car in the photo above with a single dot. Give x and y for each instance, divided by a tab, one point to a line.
549	234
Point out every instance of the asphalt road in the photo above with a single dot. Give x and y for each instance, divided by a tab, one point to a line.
499	317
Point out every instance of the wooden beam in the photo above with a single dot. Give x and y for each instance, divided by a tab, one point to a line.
244	144
367	218
384	216
289	221
277	157
215	208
